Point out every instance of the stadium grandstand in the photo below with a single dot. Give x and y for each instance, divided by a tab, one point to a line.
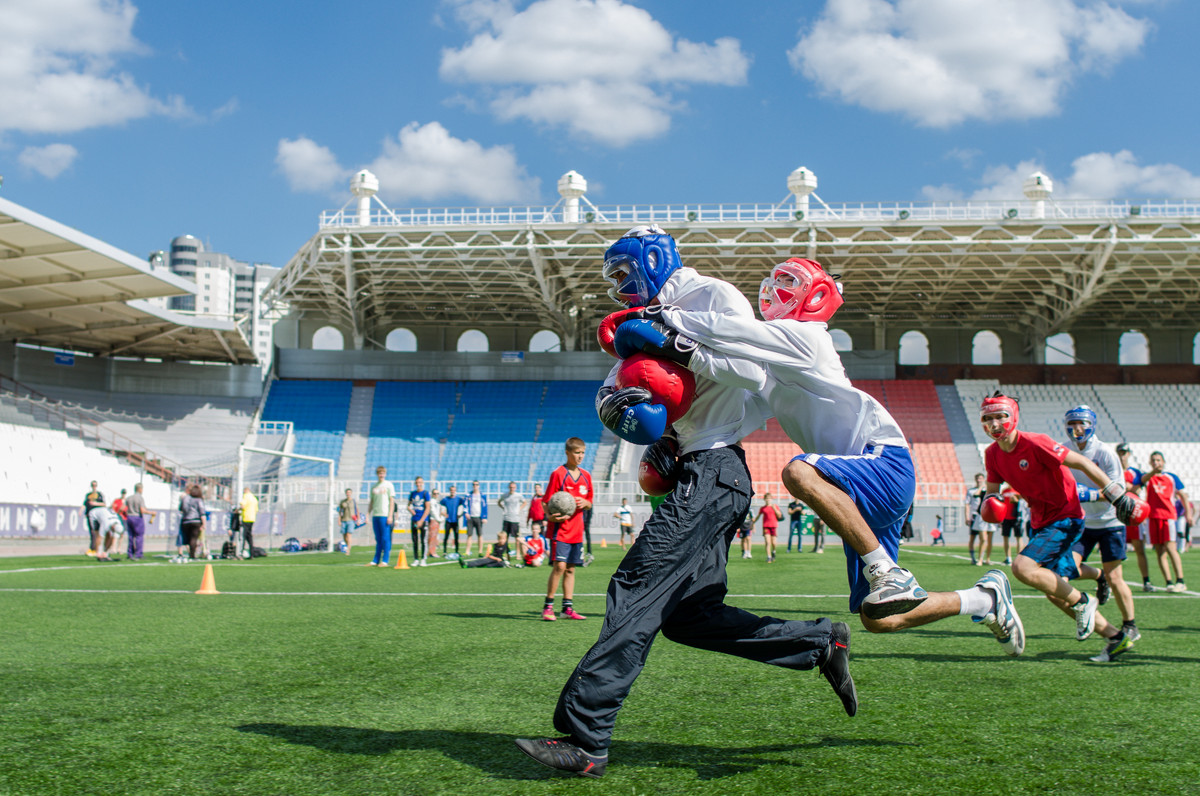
95	376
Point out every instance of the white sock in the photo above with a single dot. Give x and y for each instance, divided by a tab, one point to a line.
976	601
878	556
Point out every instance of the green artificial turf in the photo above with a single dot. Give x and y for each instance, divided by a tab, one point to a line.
313	674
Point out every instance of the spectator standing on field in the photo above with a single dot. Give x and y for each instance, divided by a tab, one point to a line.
513	504
796	524
347	517
624	517
418	510
536	517
453	506
1162	491
437	515
770	515
192	514
477	508
383	506
94	499
249	507
135	518
980	530
120	527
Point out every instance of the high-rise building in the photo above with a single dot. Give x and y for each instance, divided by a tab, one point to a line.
226	288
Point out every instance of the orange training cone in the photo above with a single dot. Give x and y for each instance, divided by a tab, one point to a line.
401	560
604	543
209	584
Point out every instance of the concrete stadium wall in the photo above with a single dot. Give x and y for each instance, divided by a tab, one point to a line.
34	366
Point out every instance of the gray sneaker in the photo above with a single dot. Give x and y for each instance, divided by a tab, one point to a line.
1004	622
893	591
1085	617
1113	648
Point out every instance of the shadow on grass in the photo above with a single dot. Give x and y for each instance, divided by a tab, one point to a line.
530	617
496	755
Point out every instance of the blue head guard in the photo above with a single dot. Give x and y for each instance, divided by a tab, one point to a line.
1081	436
639	264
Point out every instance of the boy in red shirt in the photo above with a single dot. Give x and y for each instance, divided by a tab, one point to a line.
1036	466
566	533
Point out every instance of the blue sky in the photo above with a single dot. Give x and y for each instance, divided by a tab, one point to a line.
239	123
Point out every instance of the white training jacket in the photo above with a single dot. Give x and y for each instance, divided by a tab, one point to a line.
795	367
721	414
1100	513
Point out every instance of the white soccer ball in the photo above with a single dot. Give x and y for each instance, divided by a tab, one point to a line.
37	520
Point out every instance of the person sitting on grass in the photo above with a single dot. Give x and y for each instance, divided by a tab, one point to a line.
535	547
496	558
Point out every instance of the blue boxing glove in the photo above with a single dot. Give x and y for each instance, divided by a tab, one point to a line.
1086	493
630	415
644	336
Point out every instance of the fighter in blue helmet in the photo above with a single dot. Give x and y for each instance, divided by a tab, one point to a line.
639	264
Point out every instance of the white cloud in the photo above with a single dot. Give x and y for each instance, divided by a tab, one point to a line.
942	62
1098	175
425	162
422	163
308	166
552	61
58	69
49	161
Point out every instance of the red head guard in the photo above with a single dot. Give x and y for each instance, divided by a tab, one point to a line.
801	290
999	403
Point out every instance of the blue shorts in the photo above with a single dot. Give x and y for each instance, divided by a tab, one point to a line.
1051	546
1111	542
882	482
569	553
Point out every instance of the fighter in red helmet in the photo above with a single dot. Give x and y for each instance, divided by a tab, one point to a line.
1040	469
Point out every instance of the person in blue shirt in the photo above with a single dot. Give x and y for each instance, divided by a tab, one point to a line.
418	507
453	503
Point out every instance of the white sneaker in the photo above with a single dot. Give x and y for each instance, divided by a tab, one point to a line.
1085	617
1176	588
894	590
1004	622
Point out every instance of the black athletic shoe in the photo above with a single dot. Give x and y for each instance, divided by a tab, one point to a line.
560	753
836	668
1102	589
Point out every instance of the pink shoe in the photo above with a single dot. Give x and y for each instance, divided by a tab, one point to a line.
548	615
570	613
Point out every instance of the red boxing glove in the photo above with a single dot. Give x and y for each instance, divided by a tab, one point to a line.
607	330
658	469
993	509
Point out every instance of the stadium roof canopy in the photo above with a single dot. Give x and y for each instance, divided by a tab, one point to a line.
63	289
1035	267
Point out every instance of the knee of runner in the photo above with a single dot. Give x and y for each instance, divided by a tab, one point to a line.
800	478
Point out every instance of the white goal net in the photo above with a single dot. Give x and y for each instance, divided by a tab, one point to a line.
296	496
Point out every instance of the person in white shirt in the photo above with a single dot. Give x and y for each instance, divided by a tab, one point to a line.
856	473
1101	528
513	504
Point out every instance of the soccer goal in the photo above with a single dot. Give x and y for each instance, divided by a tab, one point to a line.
295	494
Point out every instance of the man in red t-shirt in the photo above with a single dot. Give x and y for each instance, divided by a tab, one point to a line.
1036	466
566	533
536	516
1162	490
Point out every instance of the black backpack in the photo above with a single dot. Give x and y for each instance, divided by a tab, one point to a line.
229	550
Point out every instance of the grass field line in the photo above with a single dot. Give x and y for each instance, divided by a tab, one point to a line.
522	595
